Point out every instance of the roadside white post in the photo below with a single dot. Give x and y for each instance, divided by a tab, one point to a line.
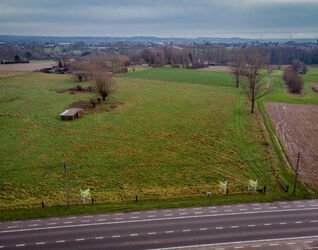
223	187
85	194
252	185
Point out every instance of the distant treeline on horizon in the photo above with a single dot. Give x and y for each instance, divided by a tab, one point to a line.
136	39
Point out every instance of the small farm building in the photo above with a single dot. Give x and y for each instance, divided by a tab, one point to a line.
71	114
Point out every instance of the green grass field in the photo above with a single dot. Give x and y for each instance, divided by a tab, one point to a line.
280	94
169	139
184	75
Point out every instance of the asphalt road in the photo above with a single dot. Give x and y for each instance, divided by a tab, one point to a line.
168	228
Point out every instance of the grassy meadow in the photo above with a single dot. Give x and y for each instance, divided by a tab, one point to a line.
174	134
184	75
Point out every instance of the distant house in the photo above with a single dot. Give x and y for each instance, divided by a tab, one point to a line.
71	114
212	63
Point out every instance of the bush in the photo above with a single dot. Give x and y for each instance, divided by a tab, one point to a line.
292	80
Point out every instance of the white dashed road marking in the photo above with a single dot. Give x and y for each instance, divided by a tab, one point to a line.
101	219
116	236
20	245
60	241
291	243
40	243
99	238
132	235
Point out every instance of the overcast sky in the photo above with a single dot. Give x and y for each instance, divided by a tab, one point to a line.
163	18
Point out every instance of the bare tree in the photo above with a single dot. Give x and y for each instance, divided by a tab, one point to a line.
104	84
237	61
80	70
299	66
256	70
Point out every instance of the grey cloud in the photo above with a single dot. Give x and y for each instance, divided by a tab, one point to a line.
160	17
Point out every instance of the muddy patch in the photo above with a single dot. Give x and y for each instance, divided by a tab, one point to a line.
76	90
297	128
103	106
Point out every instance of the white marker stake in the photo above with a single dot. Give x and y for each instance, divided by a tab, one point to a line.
223	186
85	194
252	185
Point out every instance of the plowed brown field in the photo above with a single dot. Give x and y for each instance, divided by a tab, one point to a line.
297	127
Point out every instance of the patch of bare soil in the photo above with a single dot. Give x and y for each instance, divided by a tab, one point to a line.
103	106
225	69
297	127
314	86
27	66
75	90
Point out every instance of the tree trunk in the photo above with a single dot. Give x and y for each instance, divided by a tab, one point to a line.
252	106
237	80
104	97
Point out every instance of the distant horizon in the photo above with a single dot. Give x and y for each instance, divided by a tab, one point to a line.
163	37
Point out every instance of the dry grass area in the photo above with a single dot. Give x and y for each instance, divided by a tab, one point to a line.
4	74
225	69
314	86
296	126
27	66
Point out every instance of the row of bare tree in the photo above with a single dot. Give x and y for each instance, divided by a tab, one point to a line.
99	70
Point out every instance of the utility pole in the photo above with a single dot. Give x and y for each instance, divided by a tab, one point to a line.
66	184
295	182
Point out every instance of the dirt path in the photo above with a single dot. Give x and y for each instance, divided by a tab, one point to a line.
26	66
297	127
226	69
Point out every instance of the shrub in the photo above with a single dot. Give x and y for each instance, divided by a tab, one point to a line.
292	80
